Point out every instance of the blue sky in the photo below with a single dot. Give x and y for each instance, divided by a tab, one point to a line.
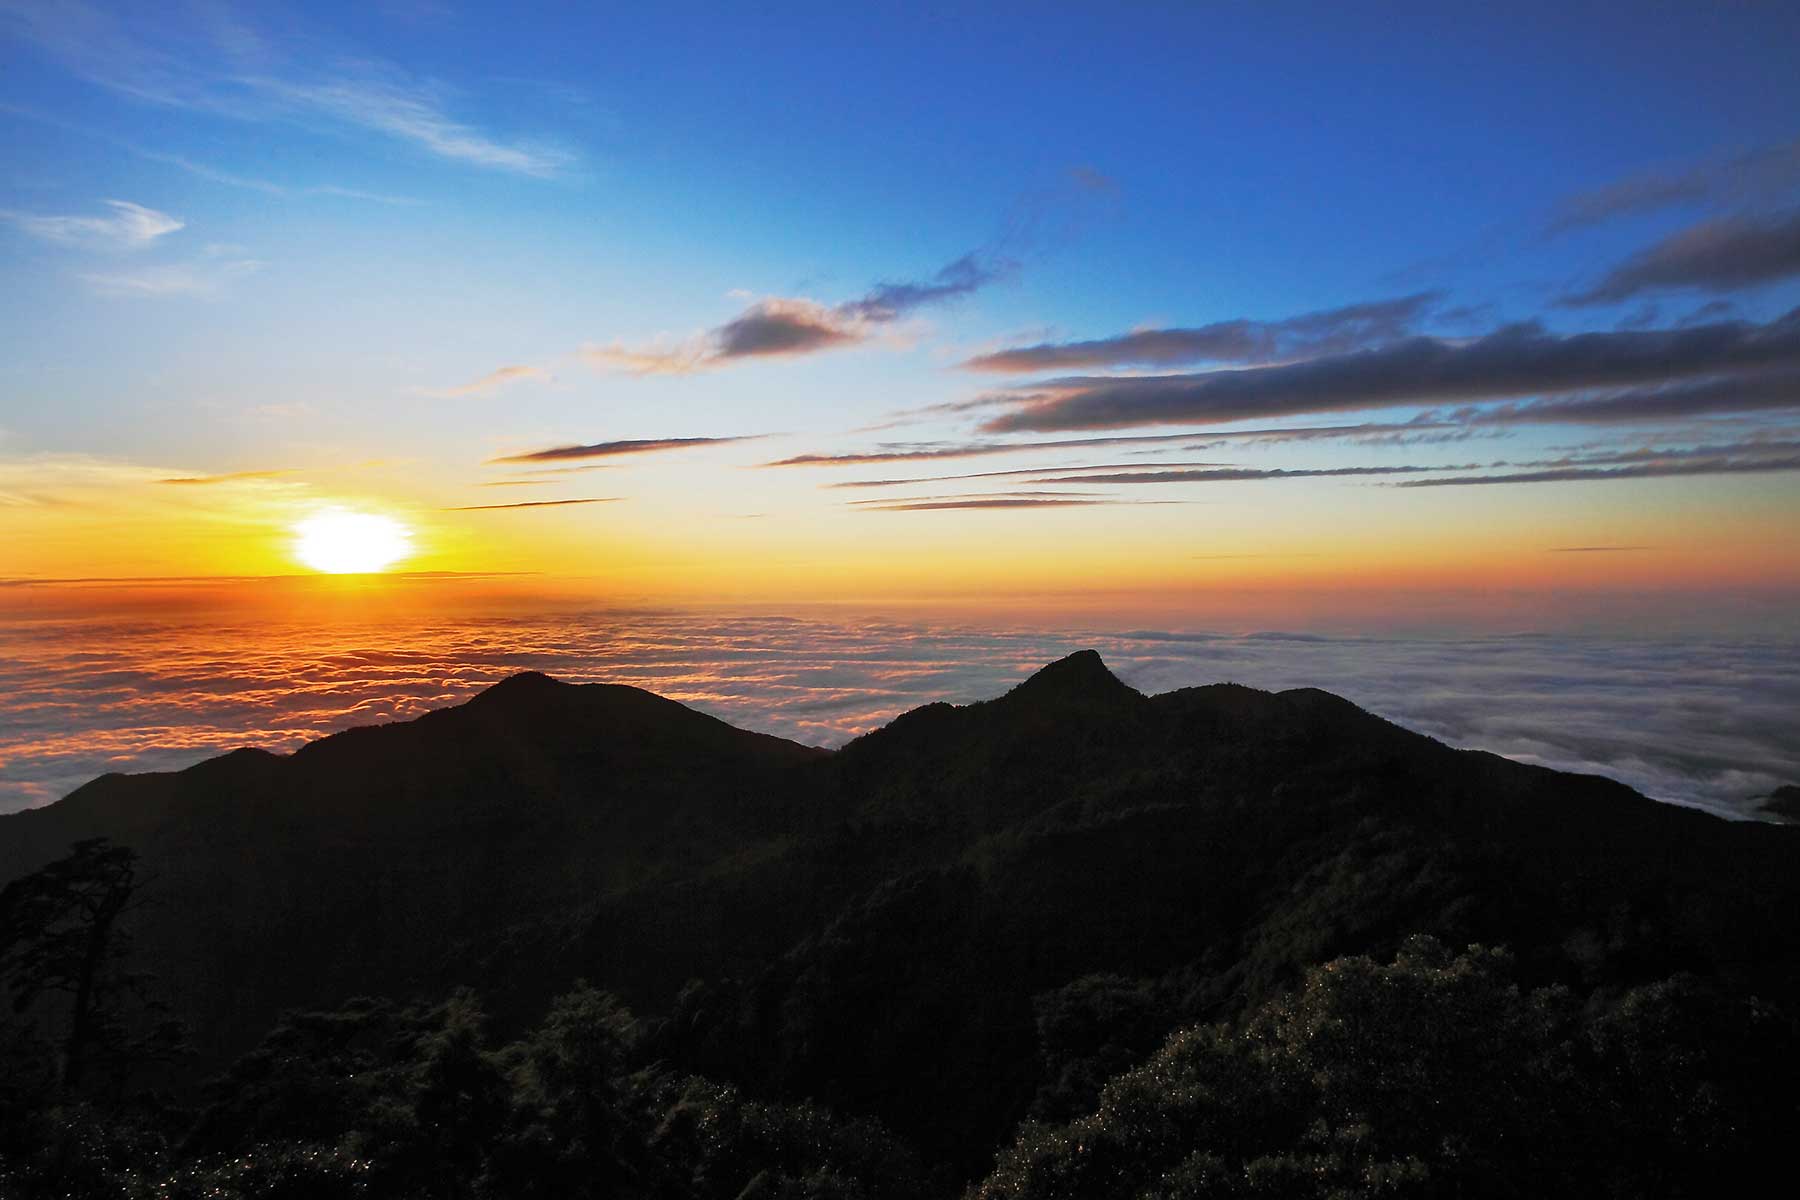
244	239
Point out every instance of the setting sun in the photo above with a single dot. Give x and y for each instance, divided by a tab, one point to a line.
343	542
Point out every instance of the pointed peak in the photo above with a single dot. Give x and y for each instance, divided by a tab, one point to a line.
1082	675
525	683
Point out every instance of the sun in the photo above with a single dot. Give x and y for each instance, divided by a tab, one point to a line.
341	541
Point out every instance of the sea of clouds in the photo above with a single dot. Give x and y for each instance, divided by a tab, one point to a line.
1708	722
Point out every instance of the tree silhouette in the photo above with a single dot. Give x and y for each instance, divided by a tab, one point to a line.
63	948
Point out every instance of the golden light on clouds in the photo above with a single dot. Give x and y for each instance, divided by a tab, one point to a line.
341	541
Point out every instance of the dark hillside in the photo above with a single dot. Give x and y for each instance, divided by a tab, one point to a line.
970	915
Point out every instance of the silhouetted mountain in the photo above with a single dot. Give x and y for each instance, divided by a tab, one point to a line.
972	913
1784	801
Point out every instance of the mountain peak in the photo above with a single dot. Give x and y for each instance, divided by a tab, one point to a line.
1080	676
524	684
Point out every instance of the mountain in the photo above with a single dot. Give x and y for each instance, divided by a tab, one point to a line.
1784	802
900	929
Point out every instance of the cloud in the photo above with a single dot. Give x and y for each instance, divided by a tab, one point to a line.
230	477
1700	720
1764	173
1717	256
875	483
613	449
1328	331
1762	391
1652	470
787	326
963	277
491	382
955	505
1517	360
782	326
533	504
1595	549
1235	474
1037	495
129	226
909	452
393	104
201	277
581	470
204	59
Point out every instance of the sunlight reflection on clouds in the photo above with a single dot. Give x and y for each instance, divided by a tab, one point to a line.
1701	721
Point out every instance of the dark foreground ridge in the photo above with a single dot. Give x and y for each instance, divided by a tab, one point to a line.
973	916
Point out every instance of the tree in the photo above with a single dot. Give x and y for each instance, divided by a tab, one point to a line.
63	948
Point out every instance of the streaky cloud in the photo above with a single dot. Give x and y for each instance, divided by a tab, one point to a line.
1002	503
875	483
1716	256
786	326
177	57
908	452
533	504
1032	495
1748	392
1766	172
1720	466
228	477
618	448
129	226
206	276
1333	330
1238	474
491	382
1517	360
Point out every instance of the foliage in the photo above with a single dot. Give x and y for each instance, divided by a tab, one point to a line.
62	959
1433	1075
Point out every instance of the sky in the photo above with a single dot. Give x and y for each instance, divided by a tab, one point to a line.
1349	310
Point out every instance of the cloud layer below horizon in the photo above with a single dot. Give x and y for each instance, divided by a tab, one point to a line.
1705	722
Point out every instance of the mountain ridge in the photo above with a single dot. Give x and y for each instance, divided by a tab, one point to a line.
871	927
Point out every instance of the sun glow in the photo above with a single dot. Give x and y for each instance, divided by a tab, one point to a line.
341	541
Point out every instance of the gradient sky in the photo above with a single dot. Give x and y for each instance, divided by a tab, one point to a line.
1526	280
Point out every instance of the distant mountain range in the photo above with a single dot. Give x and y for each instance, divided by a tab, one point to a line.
876	928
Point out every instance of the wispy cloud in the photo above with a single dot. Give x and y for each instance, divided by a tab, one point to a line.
1328	331
1716	256
615	449
206	276
1748	392
395	105
1650	470
1235	474
999	503
909	452
1030	495
788	326
1770	172
879	483
489	383
229	477
128	226
1595	549
208	60
533	504
781	326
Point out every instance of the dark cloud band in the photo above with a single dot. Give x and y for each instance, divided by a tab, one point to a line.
1330	331
1516	361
